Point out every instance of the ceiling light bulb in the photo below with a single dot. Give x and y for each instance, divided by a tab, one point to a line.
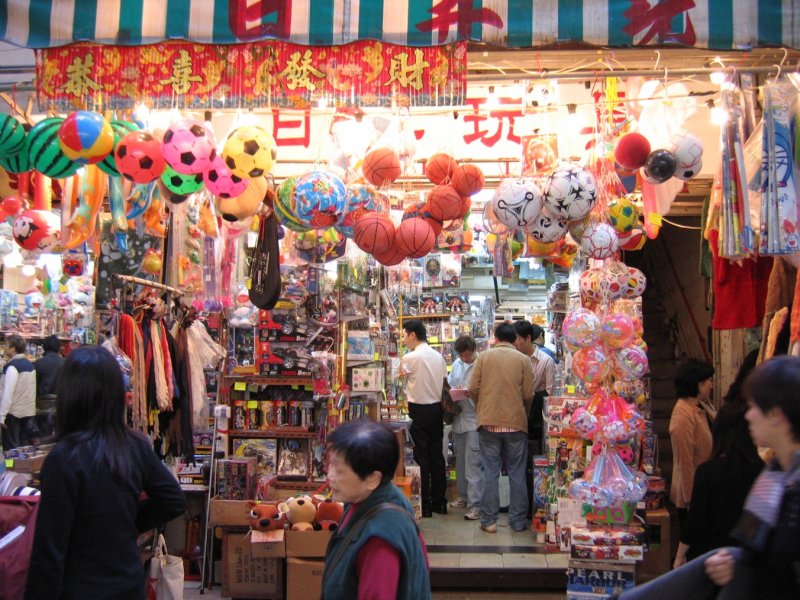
718	77
29	270
719	116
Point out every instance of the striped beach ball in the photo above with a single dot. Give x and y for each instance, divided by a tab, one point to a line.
86	137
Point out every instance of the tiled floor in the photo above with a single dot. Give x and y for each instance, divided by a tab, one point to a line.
515	550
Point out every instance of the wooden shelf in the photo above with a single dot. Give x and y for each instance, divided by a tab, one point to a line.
307	486
274	432
437	316
269	380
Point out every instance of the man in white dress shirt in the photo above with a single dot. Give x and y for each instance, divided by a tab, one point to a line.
425	371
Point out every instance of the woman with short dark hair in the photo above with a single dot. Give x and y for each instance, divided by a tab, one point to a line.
91	509
377	552
689	429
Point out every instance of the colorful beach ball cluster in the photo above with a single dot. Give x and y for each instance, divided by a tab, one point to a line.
185	158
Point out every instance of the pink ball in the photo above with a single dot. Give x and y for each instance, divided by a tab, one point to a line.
632	360
617	330
189	147
221	182
590	364
581	327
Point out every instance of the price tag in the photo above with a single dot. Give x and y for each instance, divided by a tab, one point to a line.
9	463
376	356
655	219
433	339
252	404
570	389
240	386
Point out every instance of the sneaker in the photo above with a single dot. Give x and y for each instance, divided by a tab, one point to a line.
473	514
460	503
491	528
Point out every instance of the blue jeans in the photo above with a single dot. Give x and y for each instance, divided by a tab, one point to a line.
513	447
469	476
690	582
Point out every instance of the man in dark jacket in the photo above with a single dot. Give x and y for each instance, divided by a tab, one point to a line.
47	369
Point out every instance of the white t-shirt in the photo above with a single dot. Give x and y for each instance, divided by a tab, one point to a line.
426	371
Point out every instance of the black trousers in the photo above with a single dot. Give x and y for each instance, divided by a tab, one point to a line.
427	432
17	431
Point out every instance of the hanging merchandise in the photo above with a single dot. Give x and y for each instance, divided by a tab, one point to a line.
265	275
778	233
737	238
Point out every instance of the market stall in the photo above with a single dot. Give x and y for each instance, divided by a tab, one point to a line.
258	220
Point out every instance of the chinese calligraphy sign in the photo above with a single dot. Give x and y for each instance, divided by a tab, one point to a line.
271	73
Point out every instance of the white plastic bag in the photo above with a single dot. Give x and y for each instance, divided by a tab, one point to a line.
165	581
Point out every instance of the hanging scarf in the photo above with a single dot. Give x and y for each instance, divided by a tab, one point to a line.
140	416
163	400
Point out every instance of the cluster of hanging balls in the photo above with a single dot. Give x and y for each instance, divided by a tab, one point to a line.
319	200
185	158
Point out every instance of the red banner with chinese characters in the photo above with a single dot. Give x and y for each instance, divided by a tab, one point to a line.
271	73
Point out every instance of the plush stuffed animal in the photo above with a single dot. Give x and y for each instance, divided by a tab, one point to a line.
245	314
265	516
301	513
328	510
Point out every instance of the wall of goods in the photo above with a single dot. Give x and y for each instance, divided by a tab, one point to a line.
286	298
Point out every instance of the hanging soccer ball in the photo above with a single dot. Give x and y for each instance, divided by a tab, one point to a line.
221	182
570	192
517	202
687	148
547	228
189	147
249	152
180	184
138	157
599	240
622	214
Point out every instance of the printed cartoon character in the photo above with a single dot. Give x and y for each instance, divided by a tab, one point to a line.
24	228
33	303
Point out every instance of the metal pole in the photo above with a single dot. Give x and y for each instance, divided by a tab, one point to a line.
604	73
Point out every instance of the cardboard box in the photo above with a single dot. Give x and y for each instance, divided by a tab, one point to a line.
307	544
250	570
599	577
303	578
232	513
29	465
657	559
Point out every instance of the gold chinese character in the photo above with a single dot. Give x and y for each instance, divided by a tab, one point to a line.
298	72
408	75
79	81
182	77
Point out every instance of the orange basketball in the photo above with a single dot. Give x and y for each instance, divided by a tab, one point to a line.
444	202
414	237
440	167
381	166
468	180
466	206
393	256
435	225
374	232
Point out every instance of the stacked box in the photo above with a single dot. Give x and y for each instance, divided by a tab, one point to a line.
590	579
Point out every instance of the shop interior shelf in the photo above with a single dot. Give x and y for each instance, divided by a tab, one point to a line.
264	380
306	486
436	316
274	432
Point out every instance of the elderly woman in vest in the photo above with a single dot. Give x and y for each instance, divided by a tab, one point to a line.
377	552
